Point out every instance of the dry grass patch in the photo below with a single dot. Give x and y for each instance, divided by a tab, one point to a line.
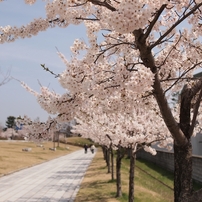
12	158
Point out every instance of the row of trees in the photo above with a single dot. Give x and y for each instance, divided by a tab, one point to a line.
120	85
122	132
11	131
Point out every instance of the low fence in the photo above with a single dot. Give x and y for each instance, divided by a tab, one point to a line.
166	160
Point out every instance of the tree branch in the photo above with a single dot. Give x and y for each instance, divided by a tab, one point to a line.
170	122
196	107
148	60
182	75
158	13
6	77
48	70
176	24
104	3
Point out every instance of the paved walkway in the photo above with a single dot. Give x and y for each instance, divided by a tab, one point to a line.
57	180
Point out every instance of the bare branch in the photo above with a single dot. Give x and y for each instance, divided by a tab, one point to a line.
174	47
48	70
158	13
176	24
104	3
115	86
6	77
183	74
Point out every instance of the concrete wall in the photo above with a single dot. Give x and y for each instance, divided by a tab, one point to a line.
197	144
197	168
166	160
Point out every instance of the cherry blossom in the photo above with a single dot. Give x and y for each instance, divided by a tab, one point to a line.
120	81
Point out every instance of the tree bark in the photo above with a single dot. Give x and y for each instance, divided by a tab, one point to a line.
108	161
112	163
183	186
118	172
131	176
54	140
183	173
104	152
58	140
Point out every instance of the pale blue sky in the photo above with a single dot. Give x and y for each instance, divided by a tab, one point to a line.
24	57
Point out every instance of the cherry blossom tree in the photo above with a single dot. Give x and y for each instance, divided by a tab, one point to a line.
107	126
35	130
117	131
148	50
13	134
9	133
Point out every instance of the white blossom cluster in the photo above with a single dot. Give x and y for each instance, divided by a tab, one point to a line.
11	133
10	34
36	130
30	1
129	16
139	128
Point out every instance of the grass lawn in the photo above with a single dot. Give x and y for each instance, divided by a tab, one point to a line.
97	186
12	158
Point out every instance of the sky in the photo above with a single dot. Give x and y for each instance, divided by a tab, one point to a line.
24	56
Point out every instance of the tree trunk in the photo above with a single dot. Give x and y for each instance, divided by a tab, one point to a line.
131	177
106	157
58	140
104	152
112	163
54	140
183	173
108	161
118	173
183	185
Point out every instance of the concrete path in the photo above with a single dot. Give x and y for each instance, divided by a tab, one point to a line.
57	180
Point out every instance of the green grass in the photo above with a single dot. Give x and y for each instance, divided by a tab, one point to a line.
157	172
124	197
147	188
97	182
152	183
79	141
161	174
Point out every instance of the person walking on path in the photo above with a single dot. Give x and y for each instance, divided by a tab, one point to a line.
57	180
85	148
92	148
